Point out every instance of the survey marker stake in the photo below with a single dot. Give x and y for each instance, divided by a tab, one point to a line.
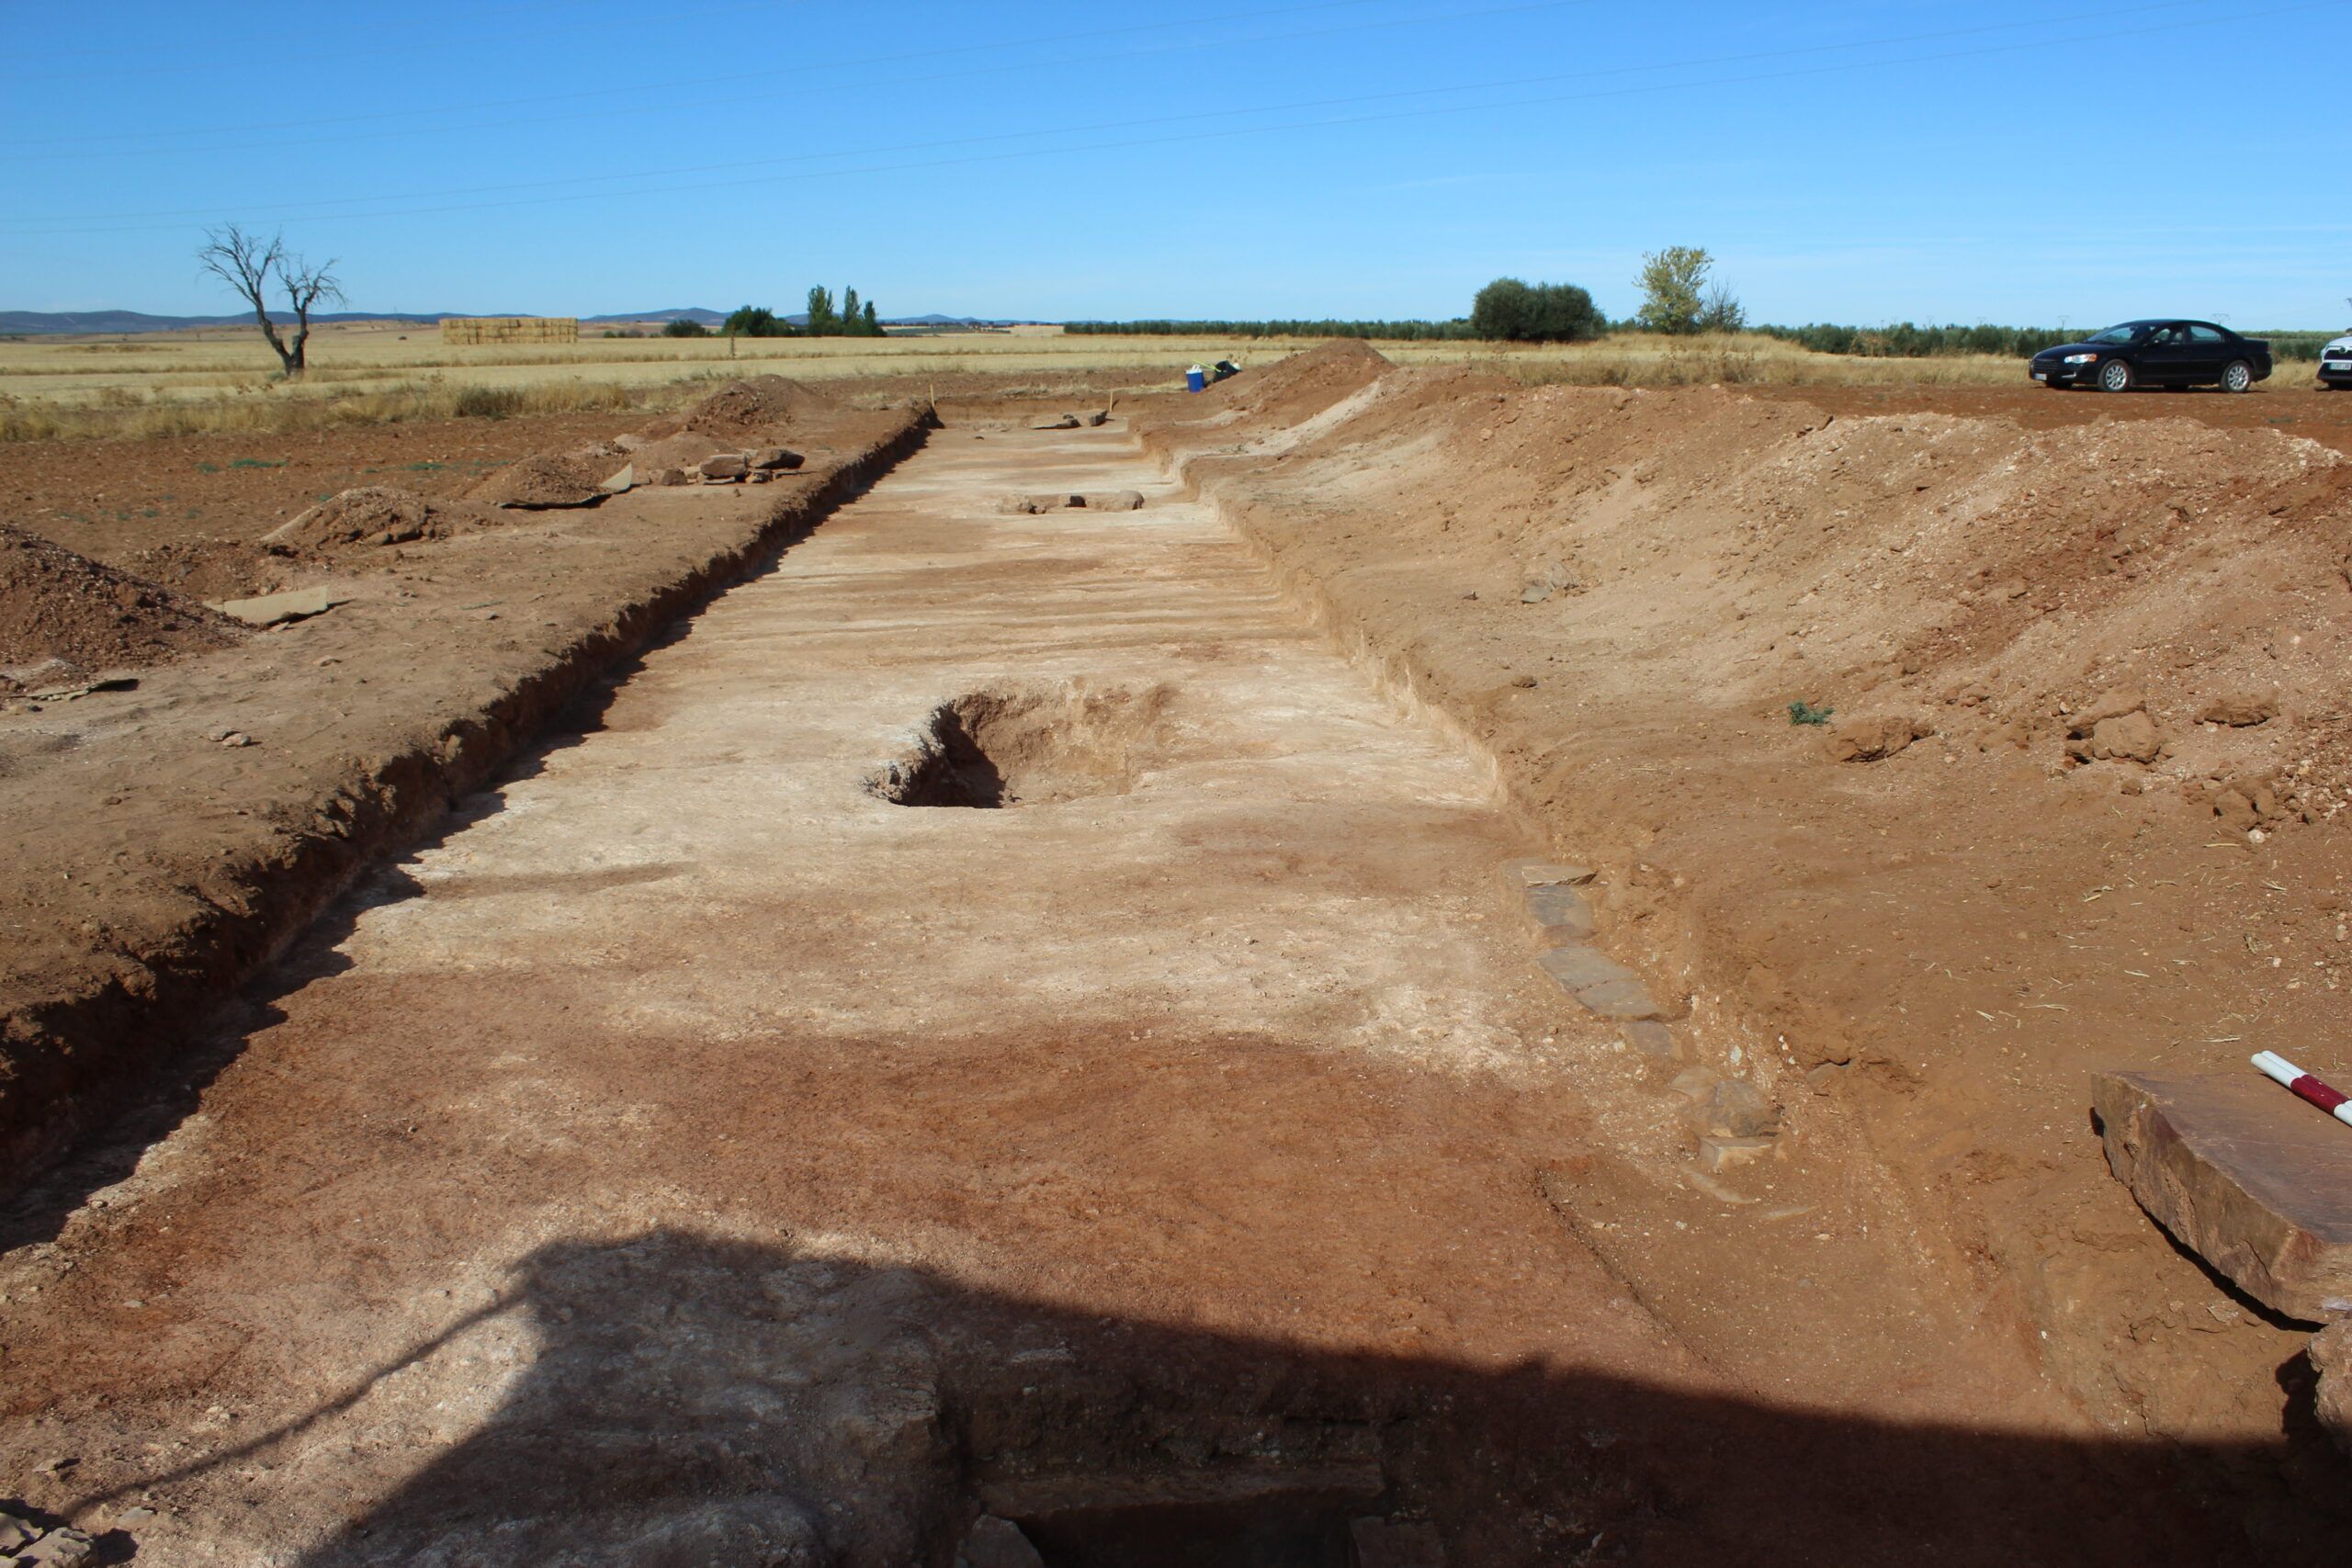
2334	1101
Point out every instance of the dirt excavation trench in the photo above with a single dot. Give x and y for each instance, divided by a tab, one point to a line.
997	1019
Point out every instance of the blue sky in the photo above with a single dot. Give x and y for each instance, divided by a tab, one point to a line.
2071	162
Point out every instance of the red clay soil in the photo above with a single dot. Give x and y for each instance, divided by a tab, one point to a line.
2079	804
545	479
106	498
768	405
62	614
146	866
2289	405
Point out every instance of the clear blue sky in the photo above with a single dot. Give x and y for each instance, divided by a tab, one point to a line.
1946	160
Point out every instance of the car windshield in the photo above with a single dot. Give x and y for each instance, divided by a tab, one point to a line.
2131	332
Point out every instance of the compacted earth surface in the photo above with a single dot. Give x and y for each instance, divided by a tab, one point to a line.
1039	1021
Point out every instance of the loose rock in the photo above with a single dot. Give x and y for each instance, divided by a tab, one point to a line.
1871	739
2331	1353
2131	735
998	1543
1731	1109
2240	709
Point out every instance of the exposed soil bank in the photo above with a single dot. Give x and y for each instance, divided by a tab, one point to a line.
2079	804
1146	1124
162	843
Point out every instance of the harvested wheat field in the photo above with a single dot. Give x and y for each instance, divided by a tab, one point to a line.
1379	965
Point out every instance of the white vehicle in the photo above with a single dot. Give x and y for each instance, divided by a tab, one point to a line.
2335	364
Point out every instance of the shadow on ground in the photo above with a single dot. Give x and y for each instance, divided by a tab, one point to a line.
697	1400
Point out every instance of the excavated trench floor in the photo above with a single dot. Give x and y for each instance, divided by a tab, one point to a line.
696	1155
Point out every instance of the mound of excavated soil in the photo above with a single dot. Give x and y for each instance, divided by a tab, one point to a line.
744	408
380	514
1306	383
58	607
546	479
208	570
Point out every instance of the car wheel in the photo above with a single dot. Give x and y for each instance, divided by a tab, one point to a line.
2115	375
2236	376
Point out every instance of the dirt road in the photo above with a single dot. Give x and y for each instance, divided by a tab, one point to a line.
1154	1129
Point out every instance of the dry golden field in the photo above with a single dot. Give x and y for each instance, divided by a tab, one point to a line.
225	378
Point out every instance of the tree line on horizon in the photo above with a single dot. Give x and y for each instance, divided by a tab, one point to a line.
1680	296
851	319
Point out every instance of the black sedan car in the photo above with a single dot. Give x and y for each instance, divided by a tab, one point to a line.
2156	353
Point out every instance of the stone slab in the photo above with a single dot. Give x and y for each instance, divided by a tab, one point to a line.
1651	1038
998	1543
1546	874
1560	912
277	609
2244	1175
1622	1000
1719	1154
1579	969
2331	1355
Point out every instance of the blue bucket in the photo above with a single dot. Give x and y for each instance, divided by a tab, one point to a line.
1196	378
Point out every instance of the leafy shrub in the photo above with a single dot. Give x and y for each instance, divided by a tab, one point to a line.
755	321
685	327
1508	311
1803	711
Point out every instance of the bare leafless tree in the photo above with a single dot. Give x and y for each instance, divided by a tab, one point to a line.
1720	309
249	264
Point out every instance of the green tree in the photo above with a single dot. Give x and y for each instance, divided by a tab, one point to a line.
755	321
1673	283
1502	310
684	326
872	321
1511	311
849	310
822	323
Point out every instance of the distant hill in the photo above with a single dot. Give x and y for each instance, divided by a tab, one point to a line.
679	314
138	321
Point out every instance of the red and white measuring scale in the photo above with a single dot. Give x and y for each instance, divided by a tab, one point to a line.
2336	1103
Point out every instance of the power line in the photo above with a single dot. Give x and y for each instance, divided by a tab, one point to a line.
79	224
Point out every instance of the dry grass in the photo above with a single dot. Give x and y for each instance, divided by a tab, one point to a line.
31	420
369	373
